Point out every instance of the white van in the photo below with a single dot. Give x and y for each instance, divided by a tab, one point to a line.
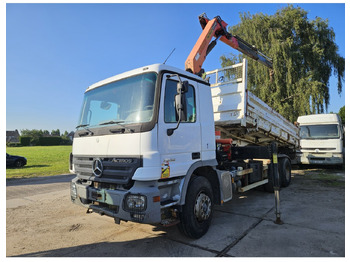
321	139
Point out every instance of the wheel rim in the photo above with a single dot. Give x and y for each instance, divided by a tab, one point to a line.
202	207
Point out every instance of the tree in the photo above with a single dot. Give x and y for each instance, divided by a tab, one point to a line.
34	134
342	114
55	132
304	56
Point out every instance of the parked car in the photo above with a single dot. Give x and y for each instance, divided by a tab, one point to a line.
15	161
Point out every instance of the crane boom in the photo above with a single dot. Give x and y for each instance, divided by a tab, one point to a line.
217	28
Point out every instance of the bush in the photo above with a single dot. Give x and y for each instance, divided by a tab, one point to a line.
66	141
24	140
49	141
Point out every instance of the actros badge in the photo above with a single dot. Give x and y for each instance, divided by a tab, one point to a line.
97	167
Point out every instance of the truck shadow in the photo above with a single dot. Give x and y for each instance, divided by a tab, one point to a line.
155	246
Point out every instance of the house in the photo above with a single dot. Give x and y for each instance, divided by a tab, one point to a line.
12	136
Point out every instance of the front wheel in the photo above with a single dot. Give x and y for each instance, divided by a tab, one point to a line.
197	212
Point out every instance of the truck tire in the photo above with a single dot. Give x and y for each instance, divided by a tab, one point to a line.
285	171
197	212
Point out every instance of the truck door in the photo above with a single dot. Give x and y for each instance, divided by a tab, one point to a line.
181	149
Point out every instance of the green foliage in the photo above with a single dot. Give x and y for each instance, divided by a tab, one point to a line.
41	161
25	140
342	114
41	138
50	141
55	132
66	141
304	56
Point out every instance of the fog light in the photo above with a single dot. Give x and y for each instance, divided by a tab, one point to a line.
73	191
136	203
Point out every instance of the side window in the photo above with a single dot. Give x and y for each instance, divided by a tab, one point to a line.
169	103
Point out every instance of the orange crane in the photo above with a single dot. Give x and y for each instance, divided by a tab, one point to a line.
217	28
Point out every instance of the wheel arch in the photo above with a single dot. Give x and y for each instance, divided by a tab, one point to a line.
205	169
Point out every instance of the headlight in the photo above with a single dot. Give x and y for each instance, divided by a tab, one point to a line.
135	203
337	155
73	191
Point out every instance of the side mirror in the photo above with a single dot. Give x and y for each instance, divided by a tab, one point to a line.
180	105
180	101
182	88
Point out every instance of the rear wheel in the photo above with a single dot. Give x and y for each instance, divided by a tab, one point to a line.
197	212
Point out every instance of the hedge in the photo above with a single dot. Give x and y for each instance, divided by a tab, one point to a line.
50	141
25	140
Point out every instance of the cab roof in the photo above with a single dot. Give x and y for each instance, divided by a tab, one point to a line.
150	68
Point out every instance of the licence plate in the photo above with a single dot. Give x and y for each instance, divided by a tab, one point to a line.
97	195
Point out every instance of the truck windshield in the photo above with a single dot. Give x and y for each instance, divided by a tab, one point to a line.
127	101
319	131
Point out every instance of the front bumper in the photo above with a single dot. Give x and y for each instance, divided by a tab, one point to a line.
321	158
113	202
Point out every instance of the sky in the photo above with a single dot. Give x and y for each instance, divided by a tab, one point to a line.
55	51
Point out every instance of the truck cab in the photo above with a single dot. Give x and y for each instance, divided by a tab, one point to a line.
321	139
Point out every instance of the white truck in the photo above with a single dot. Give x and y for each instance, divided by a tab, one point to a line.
321	139
145	148
135	161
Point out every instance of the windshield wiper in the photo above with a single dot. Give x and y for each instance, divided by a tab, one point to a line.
118	130
111	122
85	127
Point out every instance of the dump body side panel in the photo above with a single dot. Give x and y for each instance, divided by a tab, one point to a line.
240	115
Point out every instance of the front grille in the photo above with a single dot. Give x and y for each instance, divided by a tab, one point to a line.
317	158
118	170
320	149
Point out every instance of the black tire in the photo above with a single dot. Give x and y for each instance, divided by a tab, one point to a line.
19	163
285	171
197	213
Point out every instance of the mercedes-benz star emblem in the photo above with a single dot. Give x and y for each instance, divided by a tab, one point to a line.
97	167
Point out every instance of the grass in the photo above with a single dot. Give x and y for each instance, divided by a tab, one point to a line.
326	178
41	161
